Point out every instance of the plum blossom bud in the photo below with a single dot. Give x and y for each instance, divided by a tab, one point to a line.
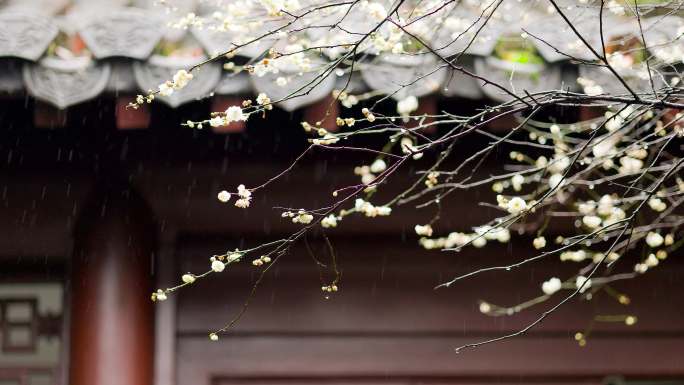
378	166
181	79
591	221
217	266
223	196
407	105
654	239
582	283
188	278
551	286
517	182
235	114
160	295
656	204
555	180
217	121
539	243
329	221
425	230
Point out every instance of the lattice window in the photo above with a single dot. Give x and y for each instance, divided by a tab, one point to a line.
18	324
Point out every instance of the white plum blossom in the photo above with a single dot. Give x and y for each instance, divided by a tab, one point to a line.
559	164
606	205
233	257
586	208
329	221
242	203
326	140
302	217
235	114
582	283
479	242
181	79
369	115
188	278
502	235
629	165
217	266
378	166
245	197
516	205
367	178
425	230
574	256
407	105
408	147
591	221
551	286
217	121
669	239
539	243
517	182
651	260
369	210
656	204
555	180
654	239
263	100
640	268
160	295
166	89
223	196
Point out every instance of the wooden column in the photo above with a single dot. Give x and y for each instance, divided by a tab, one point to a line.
111	339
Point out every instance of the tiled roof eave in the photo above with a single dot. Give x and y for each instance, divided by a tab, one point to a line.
121	44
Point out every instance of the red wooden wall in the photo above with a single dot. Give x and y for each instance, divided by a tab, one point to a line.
388	326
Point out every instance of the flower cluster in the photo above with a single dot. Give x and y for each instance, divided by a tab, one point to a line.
455	240
369	210
300	216
264	259
245	197
368	174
